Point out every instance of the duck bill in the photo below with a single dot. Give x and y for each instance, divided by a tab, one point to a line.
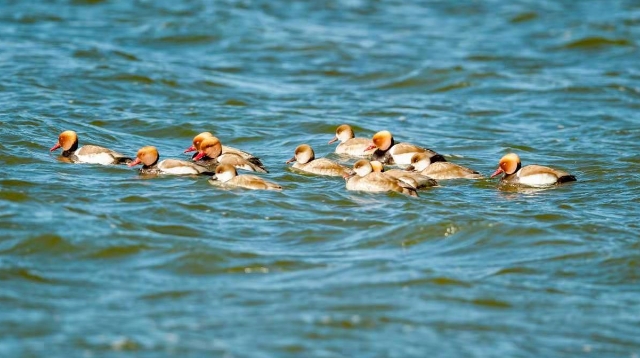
290	160
55	147
347	176
199	156
371	146
135	162
410	168
333	140
190	149
497	172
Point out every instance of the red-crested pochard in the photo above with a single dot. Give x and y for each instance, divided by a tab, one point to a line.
93	154
365	179
390	152
225	149
421	163
305	161
350	145
149	156
226	175
530	175
411	178
210	155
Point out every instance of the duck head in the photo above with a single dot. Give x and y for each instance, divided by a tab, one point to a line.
225	172
197	140
303	154
147	156
508	164
67	140
210	147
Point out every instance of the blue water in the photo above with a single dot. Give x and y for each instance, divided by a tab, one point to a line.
97	261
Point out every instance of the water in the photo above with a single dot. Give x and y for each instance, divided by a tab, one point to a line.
96	261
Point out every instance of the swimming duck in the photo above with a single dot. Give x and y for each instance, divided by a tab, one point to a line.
365	179
226	175
350	145
210	155
417	180
225	149
421	163
92	154
304	159
149	156
388	152
530	175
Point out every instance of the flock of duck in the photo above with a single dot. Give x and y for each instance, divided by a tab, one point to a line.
422	166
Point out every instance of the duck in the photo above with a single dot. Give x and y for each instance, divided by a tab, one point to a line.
350	145
421	163
148	156
210	155
92	154
305	161
226	175
225	149
365	179
530	175
387	151
417	180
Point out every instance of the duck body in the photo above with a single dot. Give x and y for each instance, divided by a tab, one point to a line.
387	151
537	176
210	155
401	153
355	147
365	179
226	176
91	154
422	164
349	144
233	159
175	167
447	170
322	166
253	182
149	158
197	141
414	179
531	175
379	182
305	160
421	181
94	154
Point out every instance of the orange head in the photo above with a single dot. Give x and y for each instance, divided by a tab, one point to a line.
210	147
382	140
147	156
508	164
197	140
67	140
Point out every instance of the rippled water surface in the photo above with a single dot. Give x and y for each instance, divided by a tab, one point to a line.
98	261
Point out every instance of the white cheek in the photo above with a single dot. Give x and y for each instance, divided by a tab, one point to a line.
538	179
102	158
